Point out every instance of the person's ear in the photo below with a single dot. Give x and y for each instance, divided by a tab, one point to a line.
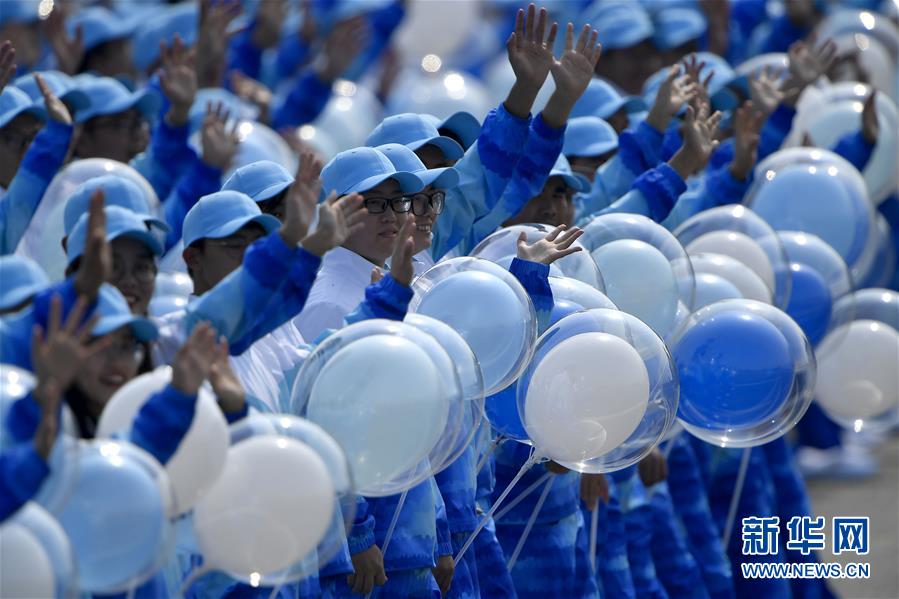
65	244
191	257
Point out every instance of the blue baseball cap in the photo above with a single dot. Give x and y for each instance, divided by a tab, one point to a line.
404	159
260	180
603	100
109	96
99	26
573	180
181	19
224	213
19	11
20	279
120	222
676	26
14	102
63	87
413	131
114	313
621	24
117	191
361	169
463	124
589	136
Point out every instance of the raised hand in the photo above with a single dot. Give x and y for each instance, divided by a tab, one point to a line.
219	143
69	51
557	244
96	262
7	63
698	133
401	262
675	91
254	92
302	198
48	396
342	47
806	64
194	360
213	38
765	90
269	18
338	219
571	74
178	79
56	110
530	52
747	126
60	352
870	124
693	69
225	384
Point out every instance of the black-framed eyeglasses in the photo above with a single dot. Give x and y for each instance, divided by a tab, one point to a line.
421	202
399	204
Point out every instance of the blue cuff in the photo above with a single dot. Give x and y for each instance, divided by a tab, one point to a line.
388	298
162	423
539	126
362	536
640	150
501	140
724	188
47	152
22	419
444	548
854	148
233	417
268	260
304	266
671	142
22	472
661	187
782	118
534	277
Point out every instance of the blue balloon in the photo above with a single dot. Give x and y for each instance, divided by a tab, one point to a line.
502	412
810	302
735	371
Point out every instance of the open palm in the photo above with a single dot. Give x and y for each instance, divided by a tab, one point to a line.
530	53
573	71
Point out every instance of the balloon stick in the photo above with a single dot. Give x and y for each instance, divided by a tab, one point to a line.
193	577
520	497
530	523
493	445
594	529
735	500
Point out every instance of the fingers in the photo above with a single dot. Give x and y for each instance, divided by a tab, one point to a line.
522	240
568	238
567	252
380	578
96	218
76	316
368	583
376	275
569	37
551	38
582	39
519	26
529	24
552	235
55	319
541	26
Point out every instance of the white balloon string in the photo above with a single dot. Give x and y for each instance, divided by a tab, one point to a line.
735	500
530	524
194	575
532	459
520	497
490	449
594	529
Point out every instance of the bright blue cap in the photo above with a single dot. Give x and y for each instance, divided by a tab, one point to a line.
463	124
224	213
114	314
19	11
63	87
20	279
99	26
117	191
589	136
603	100
109	96
413	131
573	180
404	159
14	102
677	26
260	180
120	222
181	19
361	169
621	24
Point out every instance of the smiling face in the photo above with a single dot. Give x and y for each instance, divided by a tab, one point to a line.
105	372
552	207
133	272
425	216
375	240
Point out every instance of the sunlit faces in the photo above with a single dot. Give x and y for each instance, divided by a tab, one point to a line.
211	260
387	208
133	272
120	136
553	206
106	371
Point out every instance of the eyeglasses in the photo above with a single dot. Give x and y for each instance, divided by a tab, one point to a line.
124	347
421	202
143	272
400	205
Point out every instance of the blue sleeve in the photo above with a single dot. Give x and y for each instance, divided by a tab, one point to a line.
44	157
385	299
22	472
444	540
199	181
640	149
534	277
362	533
306	97
613	179
775	130
233	417
243	55
671	141
783	33
722	156
293	52
168	157
162	423
500	146
654	194
855	149
22	419
719	189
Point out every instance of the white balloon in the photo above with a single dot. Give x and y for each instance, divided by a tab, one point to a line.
269	509
572	290
741	276
857	371
739	246
25	569
347	119
199	459
499	78
586	397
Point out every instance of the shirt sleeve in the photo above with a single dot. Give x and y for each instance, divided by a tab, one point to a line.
168	157
197	182
22	472
534	277
854	148
304	99
654	194
162	423
385	299
243	55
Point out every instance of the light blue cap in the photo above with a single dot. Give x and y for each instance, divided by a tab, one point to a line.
181	19
620	23
14	102
677	26
99	26
463	124
63	87
413	131
404	159
20	279
114	313
361	169
573	180
117	191
260	180
603	100
19	11
120	222
109	96
222	214
589	136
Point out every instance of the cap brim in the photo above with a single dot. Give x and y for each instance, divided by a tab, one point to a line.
142	328
450	147
574	181
270	191
146	102
33	109
597	148
16	296
157	223
465	125
268	222
409	182
75	99
441	178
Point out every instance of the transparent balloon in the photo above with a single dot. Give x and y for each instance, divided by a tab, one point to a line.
818	192
347	118
117	516
572	290
319	140
879	270
434	29
257	142
334	459
386	415
25	568
441	93
881	305
47	531
42	241
499	78
173	283
487	306
504	243
15	383
161	305
738	232
865	58
749	284
711	288
645	268
600	393
865	22
746	370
